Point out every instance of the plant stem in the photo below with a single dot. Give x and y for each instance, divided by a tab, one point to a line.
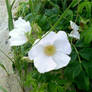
10	20
77	53
75	50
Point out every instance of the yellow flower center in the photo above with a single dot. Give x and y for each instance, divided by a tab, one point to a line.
50	50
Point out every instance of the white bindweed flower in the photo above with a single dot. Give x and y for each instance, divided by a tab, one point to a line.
74	33
18	34
51	52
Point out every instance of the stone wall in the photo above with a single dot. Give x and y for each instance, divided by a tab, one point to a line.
10	83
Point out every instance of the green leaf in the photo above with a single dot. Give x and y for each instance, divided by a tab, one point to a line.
77	70
88	68
60	89
87	83
82	81
82	44
52	87
73	70
87	34
51	12
86	53
73	55
69	14
35	6
75	2
87	5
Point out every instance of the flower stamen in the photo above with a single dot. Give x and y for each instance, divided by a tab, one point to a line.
50	50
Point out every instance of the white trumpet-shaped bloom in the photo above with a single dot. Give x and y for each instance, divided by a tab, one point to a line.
18	34
51	52
74	33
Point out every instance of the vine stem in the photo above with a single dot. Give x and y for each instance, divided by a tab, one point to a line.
76	50
77	53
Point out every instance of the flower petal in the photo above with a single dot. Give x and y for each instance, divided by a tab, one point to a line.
21	23
35	51
75	34
61	60
16	32
17	40
44	64
27	27
74	26
62	44
49	38
62	35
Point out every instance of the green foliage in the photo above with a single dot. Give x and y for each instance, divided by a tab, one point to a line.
75	2
86	53
85	6
87	34
55	15
73	70
2	89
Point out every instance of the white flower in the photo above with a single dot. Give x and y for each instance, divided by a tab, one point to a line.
21	23
74	33
51	52
18	34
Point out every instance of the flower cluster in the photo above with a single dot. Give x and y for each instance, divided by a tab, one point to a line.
49	53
